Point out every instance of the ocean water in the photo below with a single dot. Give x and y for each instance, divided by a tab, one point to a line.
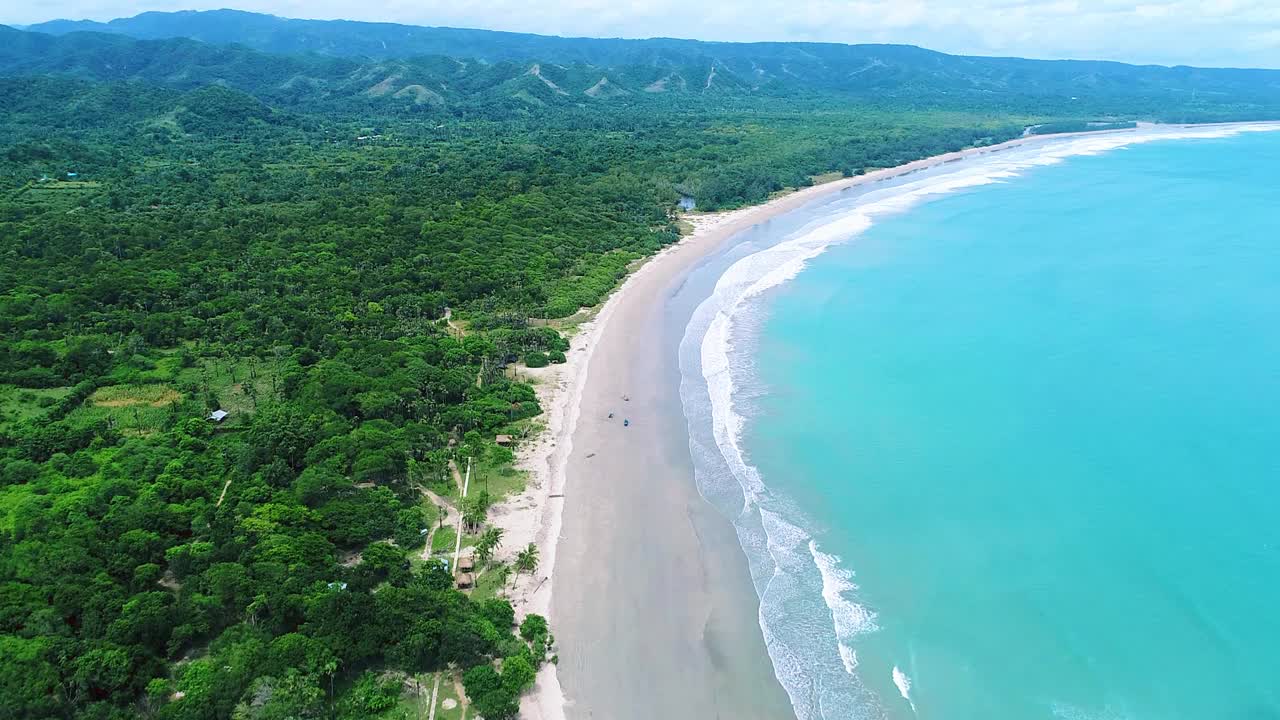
1001	440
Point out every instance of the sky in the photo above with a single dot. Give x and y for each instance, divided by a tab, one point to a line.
1239	33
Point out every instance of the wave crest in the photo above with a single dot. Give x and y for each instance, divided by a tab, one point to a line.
807	614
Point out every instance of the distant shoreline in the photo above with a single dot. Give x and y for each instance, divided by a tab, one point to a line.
792	528
613	344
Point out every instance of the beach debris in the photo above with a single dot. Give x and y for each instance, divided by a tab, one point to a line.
625	423
626	398
610	416
590	455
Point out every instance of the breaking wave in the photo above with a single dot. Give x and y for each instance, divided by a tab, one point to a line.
810	613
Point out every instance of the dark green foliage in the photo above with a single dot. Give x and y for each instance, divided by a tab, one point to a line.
1072	126
269	236
534	630
369	697
410	523
499	612
489	695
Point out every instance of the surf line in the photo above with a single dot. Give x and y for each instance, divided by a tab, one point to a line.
904	686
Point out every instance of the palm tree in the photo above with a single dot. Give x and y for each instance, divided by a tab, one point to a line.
527	560
489	542
331	669
473	516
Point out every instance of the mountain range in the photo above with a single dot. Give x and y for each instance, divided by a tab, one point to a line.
285	60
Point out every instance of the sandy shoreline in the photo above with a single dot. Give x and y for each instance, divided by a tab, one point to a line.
635	536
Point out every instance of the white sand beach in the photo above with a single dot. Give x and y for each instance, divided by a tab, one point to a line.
645	585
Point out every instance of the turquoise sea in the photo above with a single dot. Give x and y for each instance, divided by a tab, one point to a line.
1002	440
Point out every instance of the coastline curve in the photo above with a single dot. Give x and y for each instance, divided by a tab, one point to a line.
813	651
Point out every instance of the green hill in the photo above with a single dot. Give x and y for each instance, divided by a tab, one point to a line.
333	59
346	246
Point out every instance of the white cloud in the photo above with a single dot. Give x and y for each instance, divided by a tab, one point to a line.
1204	32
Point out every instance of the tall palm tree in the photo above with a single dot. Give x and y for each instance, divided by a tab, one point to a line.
489	541
527	560
473	516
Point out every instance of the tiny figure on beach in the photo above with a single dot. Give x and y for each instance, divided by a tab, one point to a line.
626	422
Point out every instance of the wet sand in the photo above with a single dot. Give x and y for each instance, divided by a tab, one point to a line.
653	608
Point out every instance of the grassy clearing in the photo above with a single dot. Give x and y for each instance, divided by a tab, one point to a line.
238	383
172	386
121	396
57	194
19	404
500	481
448	692
415	701
444	487
568	326
826	178
487	585
443	539
131	409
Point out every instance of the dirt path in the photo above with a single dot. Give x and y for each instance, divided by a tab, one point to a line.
435	692
457	547
451	517
457	476
462	696
453	326
224	492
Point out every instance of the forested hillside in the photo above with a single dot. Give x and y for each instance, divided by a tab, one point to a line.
350	269
447	66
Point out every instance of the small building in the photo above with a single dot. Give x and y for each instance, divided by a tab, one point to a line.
218	416
466	564
465	580
504	440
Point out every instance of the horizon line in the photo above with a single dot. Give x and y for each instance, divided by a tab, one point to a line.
1131	63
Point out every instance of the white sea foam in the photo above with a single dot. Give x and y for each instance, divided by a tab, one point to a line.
1067	711
903	683
850	618
785	560
849	657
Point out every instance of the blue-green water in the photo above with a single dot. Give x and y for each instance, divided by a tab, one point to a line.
1025	437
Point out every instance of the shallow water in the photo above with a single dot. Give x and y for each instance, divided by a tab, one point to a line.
1000	441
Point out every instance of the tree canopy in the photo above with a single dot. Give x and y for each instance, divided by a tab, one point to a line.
349	279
